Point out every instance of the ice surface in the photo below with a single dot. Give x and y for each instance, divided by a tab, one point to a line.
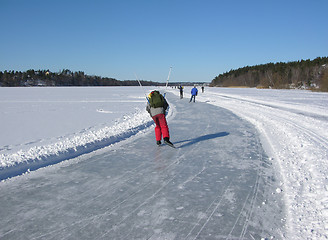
291	125
217	184
293	128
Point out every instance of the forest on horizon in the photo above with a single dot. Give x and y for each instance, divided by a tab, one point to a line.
65	78
303	74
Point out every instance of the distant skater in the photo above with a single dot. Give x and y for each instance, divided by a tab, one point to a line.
194	93
156	107
202	89
181	91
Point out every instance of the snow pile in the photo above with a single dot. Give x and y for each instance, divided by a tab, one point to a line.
43	126
80	144
293	126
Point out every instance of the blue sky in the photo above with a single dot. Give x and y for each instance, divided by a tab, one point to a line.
200	39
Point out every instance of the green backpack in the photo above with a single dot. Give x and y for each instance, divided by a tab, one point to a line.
156	99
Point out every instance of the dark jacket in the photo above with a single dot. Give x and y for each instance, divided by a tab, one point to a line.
159	110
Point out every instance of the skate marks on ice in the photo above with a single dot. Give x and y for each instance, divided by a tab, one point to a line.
219	187
225	154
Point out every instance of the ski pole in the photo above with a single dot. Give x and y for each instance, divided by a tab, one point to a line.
167	81
142	88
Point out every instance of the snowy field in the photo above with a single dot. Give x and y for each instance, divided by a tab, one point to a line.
43	126
40	126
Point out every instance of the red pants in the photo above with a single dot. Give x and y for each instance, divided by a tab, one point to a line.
161	127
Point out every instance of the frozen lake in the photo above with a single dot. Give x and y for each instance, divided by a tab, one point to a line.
217	184
249	163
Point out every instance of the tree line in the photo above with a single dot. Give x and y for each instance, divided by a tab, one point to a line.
305	74
64	78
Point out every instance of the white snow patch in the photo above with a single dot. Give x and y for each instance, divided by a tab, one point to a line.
42	126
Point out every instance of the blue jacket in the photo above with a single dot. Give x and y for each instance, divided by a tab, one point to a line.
194	91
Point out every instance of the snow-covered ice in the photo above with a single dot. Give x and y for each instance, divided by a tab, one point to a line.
42	126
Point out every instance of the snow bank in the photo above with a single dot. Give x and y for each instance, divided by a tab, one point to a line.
38	156
44	126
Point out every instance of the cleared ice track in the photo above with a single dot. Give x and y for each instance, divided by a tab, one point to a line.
217	184
297	140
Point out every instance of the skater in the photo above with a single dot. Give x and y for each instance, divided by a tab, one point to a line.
194	93
181	91
156	107
202	89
